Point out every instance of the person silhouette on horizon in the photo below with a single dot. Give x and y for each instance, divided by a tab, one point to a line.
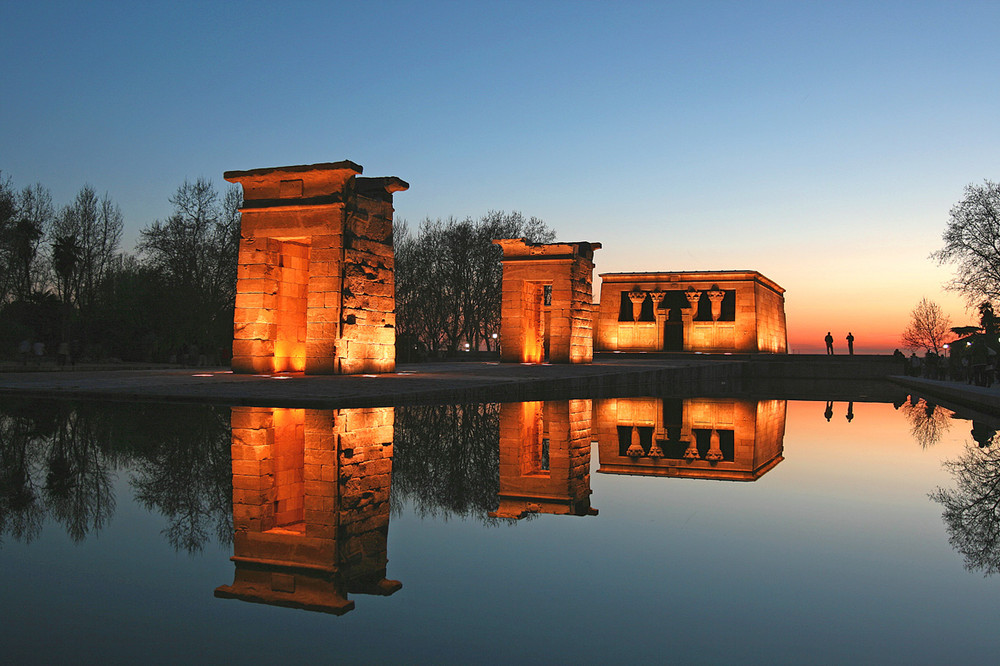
850	343
829	343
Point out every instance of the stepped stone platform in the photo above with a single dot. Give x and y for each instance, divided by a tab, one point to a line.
419	383
611	375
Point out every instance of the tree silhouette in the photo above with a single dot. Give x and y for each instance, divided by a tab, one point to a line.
448	277
928	329
972	243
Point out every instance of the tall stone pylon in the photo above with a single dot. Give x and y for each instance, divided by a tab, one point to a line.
315	289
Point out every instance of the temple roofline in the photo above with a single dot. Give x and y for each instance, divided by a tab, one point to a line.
667	277
234	176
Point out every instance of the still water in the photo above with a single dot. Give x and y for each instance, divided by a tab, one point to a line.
683	530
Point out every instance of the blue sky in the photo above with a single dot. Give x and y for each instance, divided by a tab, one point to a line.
819	143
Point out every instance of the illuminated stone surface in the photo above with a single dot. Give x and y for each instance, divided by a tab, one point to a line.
310	506
547	311
315	289
720	311
545	458
704	438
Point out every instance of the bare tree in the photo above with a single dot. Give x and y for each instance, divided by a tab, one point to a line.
195	252
8	220
928	329
448	277
33	221
94	225
972	243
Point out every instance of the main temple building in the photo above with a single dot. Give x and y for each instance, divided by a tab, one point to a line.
710	311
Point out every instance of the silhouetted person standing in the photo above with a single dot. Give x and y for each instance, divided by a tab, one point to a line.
828	412
829	343
850	343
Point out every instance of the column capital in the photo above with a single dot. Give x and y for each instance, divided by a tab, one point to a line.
638	298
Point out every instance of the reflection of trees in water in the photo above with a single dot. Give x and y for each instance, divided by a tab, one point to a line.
446	459
972	509
78	480
58	459
21	510
928	422
186	473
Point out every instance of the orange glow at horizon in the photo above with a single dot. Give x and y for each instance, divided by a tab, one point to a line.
877	324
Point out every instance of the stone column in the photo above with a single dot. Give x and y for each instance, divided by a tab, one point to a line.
635	448
693	297
637	298
659	316
714	451
716	295
687	316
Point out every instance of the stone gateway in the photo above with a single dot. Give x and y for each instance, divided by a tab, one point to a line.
315	289
546	312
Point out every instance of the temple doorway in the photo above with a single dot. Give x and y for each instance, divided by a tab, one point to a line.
673	331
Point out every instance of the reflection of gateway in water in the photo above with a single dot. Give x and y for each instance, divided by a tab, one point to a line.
310	506
704	438
545	458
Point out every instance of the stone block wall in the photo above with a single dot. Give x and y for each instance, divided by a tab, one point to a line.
315	289
772	335
770	430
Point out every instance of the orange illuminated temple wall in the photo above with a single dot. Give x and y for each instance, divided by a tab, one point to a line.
719	311
545	458
315	289
310	506
704	438
547	311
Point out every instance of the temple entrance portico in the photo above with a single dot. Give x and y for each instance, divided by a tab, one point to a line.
713	312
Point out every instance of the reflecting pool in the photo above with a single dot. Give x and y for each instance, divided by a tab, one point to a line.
703	530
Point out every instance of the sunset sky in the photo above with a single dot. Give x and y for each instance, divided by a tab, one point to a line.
821	144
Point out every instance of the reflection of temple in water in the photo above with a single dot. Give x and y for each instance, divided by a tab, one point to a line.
310	506
705	438
545	458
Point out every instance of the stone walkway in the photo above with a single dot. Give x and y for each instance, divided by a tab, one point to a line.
417	383
981	398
